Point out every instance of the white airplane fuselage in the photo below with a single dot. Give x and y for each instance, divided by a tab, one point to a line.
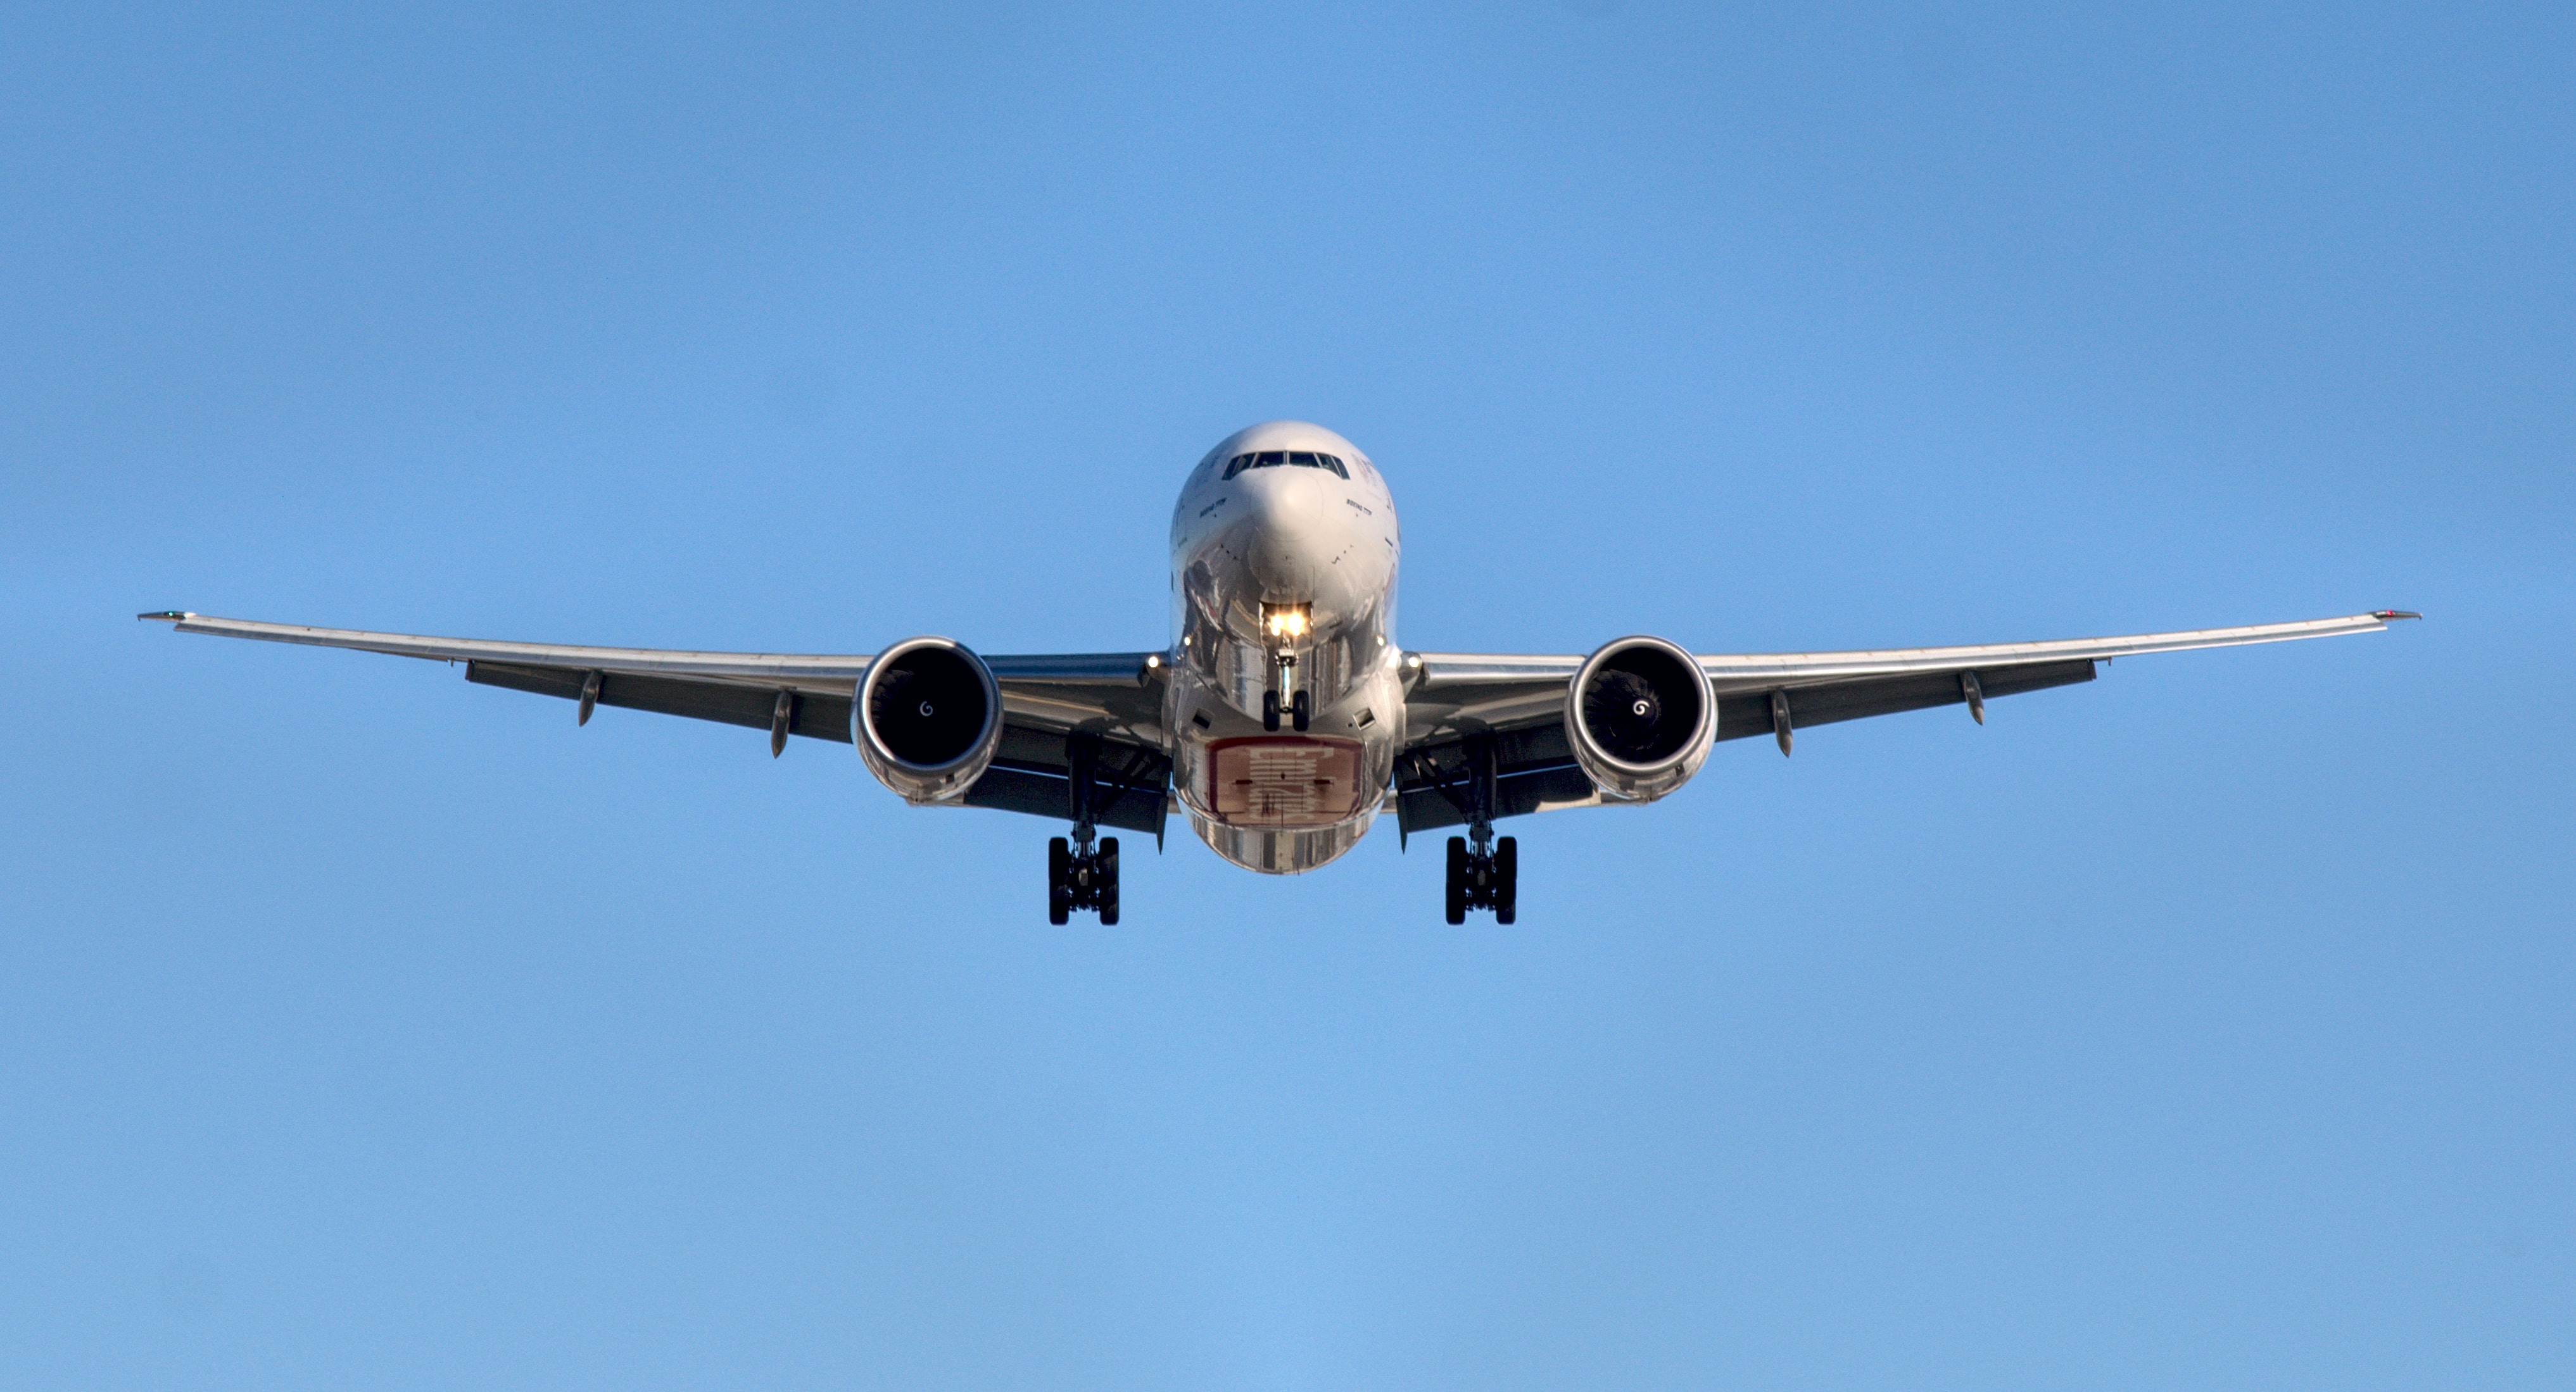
1284	549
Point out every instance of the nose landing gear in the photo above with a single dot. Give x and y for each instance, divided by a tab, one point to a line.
1298	707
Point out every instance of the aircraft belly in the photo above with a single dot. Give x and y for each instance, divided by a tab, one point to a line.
1284	781
1280	852
1280	802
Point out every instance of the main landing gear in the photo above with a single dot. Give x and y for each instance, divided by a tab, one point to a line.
1082	879
1484	879
1082	870
1484	872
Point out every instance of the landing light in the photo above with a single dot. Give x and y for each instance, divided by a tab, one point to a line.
1284	620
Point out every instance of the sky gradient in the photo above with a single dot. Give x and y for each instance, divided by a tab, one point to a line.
2206	1025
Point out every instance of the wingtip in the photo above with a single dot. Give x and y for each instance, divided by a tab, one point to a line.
168	615
2385	615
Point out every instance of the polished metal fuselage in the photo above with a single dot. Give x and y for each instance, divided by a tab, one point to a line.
1283	580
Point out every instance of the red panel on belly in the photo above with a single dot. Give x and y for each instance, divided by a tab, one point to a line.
1285	781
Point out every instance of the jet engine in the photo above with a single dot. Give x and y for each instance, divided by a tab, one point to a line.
927	719
1641	717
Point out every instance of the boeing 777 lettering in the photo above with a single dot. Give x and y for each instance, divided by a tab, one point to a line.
1284	718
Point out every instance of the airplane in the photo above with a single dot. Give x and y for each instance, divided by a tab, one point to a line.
1284	718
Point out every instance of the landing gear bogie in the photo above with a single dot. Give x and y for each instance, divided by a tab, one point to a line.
1082	870
1484	870
1484	880
1080	880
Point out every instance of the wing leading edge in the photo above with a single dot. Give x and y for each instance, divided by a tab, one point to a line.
1060	711
827	672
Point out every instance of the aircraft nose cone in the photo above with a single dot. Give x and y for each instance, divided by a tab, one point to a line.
1284	536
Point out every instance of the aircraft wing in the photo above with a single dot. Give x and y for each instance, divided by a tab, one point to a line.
1519	701
1048	701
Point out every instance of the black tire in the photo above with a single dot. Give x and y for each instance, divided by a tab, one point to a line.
1457	900
1270	710
1059	881
1105	881
1302	708
1507	879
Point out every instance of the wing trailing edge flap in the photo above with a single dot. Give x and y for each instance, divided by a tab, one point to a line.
815	715
1742	715
1534	771
1036	770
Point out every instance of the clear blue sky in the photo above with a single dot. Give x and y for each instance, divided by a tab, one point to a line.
2206	1026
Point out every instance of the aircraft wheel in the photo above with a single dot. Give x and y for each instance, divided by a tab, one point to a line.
1059	880
1507	879
1104	880
1270	710
1457	897
1301	708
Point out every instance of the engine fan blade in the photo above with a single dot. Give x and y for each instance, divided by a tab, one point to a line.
1624	713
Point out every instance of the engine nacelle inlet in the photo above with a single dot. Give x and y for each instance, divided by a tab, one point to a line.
927	719
1641	717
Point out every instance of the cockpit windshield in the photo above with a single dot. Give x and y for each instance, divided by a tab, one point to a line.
1271	459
